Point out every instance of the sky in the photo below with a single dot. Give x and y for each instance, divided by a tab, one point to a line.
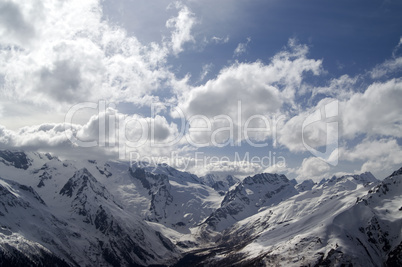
310	89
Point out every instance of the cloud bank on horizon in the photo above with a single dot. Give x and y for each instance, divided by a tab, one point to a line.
209	88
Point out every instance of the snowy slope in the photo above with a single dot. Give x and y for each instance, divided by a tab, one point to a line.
78	220
248	197
107	204
111	213
177	199
341	221
29	232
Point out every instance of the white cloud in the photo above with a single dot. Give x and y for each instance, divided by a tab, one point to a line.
249	82
397	47
292	135
107	132
236	168
5	136
277	168
261	89
181	25
74	55
14	24
205	71
375	112
370	149
241	48
389	67
386	68
14	117
378	156
37	137
313	168
220	40
123	134
57	53
340	88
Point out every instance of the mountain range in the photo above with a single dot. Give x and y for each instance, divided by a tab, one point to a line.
112	213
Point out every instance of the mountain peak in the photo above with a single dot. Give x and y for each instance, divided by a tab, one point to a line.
266	178
397	172
84	184
220	183
305	185
363	178
249	196
173	174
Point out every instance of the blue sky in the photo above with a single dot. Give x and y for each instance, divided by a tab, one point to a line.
351	37
196	63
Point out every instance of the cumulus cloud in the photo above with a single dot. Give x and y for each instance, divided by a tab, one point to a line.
108	132
54	54
316	128
63	82
225	167
313	168
73	54
248	89
374	112
249	82
371	149
124	134
377	155
278	168
34	137
14	26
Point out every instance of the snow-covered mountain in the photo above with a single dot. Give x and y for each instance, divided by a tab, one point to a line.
78	222
249	197
111	213
344	221
176	199
220	183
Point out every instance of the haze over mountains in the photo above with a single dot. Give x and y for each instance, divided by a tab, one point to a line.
93	213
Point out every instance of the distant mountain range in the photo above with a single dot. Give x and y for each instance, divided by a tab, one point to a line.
111	213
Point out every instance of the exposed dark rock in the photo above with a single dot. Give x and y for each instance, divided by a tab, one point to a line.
17	159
